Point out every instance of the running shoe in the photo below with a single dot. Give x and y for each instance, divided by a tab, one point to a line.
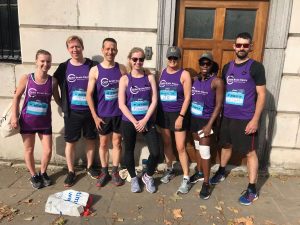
184	187
217	178
103	179
36	182
70	179
149	183
135	186
205	191
92	173
45	179
168	175
198	176
248	197
116	179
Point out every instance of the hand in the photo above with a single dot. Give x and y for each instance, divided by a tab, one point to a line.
206	130
251	127
178	123
141	125
98	122
14	122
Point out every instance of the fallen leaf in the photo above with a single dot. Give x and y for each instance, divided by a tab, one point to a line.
177	213
30	218
175	197
120	219
232	209
167	222
244	220
12	195
203	207
269	222
140	217
59	221
221	203
29	200
219	208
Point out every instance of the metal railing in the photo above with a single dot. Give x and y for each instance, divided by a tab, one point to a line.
9	32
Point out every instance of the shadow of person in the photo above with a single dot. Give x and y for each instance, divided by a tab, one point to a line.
97	58
266	131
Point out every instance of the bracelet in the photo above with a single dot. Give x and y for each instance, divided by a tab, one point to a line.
181	115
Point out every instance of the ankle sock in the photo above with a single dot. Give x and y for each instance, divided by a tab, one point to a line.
221	170
114	169
104	170
186	178
252	187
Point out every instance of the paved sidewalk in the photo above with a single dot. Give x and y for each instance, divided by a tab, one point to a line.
279	201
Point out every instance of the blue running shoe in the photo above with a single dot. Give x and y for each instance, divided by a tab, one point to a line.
248	197
217	178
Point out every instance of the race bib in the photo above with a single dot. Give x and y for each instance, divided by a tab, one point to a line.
79	98
235	97
37	108
168	95
139	107
197	108
111	94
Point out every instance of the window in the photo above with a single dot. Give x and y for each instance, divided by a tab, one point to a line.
9	31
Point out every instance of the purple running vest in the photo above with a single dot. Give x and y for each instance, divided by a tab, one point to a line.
171	96
107	91
77	78
138	96
203	98
240	94
36	110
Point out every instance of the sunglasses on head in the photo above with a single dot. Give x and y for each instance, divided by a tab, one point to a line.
238	45
138	59
172	58
204	63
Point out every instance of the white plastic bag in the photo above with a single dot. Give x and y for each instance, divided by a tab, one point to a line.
5	127
77	197
55	205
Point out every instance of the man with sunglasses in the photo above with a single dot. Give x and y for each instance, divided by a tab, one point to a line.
104	79
243	104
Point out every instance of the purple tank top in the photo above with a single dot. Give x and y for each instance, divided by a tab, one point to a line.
240	94
36	110
107	91
171	96
203	98
138	96
77	78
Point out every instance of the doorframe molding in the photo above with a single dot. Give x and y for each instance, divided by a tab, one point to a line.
274	55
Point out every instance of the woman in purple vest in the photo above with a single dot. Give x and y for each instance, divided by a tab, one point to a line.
174	99
206	104
36	115
137	101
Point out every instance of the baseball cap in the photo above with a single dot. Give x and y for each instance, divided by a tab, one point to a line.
206	55
173	51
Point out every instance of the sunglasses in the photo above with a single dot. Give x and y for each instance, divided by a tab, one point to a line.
138	59
172	58
202	63
238	45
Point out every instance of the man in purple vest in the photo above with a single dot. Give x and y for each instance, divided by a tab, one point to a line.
104	80
243	104
72	77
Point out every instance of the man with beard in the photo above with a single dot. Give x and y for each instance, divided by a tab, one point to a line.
243	104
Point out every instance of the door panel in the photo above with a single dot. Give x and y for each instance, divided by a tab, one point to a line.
212	26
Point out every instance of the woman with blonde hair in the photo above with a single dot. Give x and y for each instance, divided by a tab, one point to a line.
137	101
36	115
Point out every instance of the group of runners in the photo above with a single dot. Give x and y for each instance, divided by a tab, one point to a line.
116	103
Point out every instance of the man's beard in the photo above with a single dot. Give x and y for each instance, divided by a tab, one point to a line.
243	56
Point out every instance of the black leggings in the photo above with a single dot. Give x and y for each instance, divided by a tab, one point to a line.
129	137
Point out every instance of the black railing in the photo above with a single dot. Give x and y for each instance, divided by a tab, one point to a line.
9	31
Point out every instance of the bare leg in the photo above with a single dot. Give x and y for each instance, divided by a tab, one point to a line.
252	165
29	141
225	156
47	151
183	157
103	150
70	155
116	152
90	150
168	150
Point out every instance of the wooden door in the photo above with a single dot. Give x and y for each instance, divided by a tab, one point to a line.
212	26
